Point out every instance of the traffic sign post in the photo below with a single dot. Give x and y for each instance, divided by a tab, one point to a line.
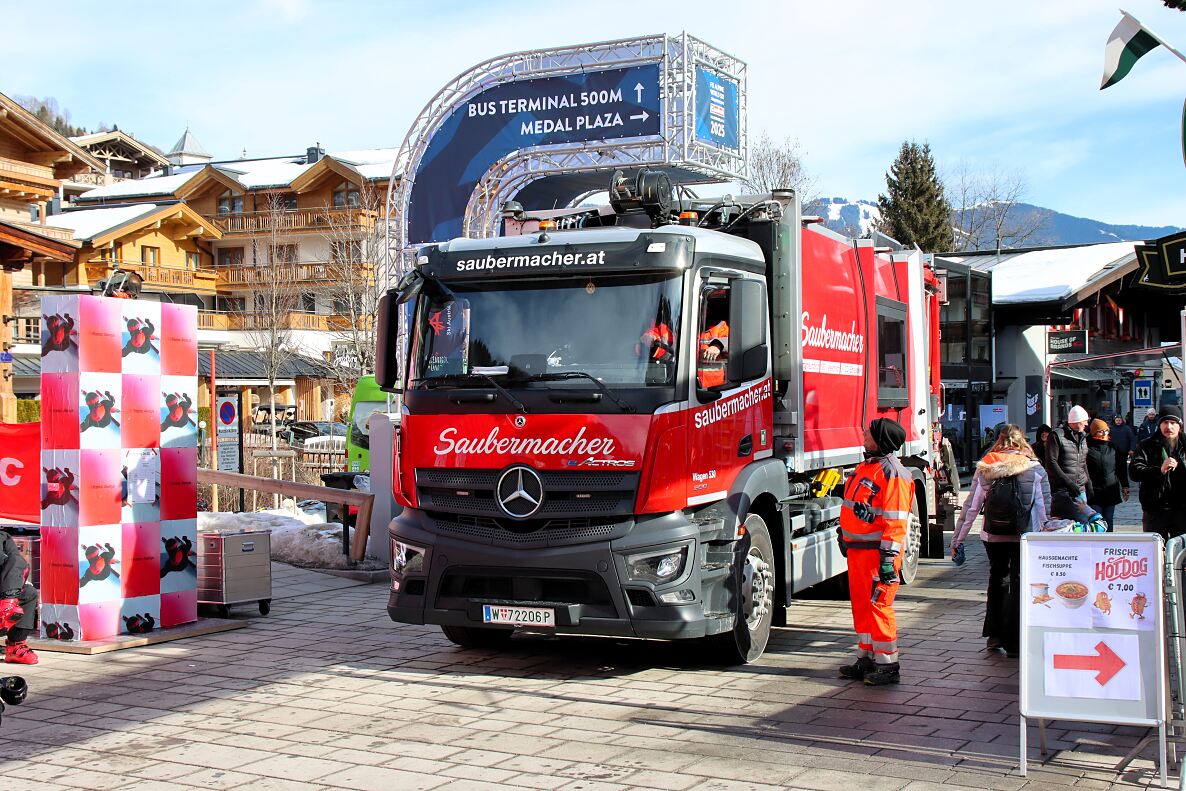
228	422
1093	632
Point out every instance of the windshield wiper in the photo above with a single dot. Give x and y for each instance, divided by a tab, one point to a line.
453	379
562	375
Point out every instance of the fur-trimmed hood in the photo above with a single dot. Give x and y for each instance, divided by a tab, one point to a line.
1002	464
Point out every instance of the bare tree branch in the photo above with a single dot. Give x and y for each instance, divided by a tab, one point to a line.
988	211
777	165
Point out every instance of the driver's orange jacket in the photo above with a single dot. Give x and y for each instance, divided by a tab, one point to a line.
876	509
711	373
659	334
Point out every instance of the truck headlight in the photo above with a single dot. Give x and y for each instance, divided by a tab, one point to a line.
658	567
406	558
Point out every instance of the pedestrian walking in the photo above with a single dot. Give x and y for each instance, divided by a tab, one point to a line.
1107	470
1039	444
1148	428
1013	490
1066	464
873	525
1124	438
1159	465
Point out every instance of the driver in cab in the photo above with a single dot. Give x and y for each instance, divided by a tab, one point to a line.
712	346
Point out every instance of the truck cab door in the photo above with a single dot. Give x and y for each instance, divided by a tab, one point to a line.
731	396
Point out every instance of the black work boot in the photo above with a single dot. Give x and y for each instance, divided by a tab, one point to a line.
857	670
883	674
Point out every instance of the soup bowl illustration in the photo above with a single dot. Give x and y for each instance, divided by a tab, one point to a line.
1072	594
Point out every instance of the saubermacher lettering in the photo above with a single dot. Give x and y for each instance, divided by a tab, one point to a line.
823	337
10	471
492	443
728	407
524	261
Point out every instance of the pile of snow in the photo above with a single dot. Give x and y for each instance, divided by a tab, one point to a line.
300	535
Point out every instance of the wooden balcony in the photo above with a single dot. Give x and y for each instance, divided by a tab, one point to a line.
41	172
48	231
294	220
252	322
302	274
160	278
25	181
98	179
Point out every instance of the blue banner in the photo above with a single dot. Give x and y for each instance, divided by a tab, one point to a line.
717	109
592	106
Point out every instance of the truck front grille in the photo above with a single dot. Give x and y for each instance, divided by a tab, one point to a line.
535	532
590	494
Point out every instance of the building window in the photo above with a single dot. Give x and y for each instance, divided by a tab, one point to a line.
346	196
193	261
151	256
286	202
891	353
345	252
341	305
230	256
309	303
230	203
282	253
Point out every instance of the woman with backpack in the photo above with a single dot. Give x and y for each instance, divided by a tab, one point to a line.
1014	492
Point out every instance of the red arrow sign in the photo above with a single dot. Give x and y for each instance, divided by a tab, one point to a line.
1106	663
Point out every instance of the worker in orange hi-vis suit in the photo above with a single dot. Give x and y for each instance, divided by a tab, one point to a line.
873	530
714	342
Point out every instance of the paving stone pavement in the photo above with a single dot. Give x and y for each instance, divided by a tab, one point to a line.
327	693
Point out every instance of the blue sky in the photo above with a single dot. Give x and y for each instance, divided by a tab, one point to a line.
1003	84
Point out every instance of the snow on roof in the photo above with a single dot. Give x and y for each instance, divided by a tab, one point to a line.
271	173
154	185
89	223
367	156
1047	275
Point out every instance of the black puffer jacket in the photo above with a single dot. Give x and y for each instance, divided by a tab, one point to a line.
1107	472
1159	492
13	568
1066	462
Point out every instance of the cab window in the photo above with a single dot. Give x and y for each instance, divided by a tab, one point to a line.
712	338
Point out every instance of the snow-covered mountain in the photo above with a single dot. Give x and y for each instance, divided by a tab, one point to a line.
854	218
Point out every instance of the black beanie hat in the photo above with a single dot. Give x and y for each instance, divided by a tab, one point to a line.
1173	413
888	435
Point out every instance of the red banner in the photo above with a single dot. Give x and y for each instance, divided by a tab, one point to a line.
20	472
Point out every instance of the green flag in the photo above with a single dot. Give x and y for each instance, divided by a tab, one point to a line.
1128	42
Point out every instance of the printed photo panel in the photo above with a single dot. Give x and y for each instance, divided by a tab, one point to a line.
140	570
59	411
178	608
179	483
179	411
100	563
179	340
59	334
140	485
60	622
99	409
140	336
99	620
99	335
178	555
140	615
60	488
59	565
100	488
139	411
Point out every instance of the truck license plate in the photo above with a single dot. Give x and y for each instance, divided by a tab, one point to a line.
519	616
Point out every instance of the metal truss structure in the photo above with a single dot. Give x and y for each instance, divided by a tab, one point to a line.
676	147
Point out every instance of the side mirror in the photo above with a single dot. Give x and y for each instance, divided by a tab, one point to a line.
747	331
387	372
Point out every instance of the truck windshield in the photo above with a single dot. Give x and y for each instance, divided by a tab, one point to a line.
619	329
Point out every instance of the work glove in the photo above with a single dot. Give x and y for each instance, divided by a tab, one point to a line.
10	612
886	573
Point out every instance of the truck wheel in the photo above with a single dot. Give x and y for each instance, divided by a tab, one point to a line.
471	637
755	601
913	546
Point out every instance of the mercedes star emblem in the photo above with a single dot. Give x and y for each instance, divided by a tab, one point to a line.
520	421
520	492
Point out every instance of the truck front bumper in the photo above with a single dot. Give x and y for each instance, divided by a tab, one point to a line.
441	578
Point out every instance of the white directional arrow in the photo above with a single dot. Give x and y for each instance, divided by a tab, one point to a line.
644	115
638	92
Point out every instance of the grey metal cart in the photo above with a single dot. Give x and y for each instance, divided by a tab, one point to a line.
235	567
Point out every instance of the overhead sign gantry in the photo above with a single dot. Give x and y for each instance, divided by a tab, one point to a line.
547	127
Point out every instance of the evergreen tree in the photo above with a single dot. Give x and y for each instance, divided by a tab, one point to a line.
915	210
51	114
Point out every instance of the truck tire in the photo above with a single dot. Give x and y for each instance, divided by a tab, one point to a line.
913	548
754	611
471	637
